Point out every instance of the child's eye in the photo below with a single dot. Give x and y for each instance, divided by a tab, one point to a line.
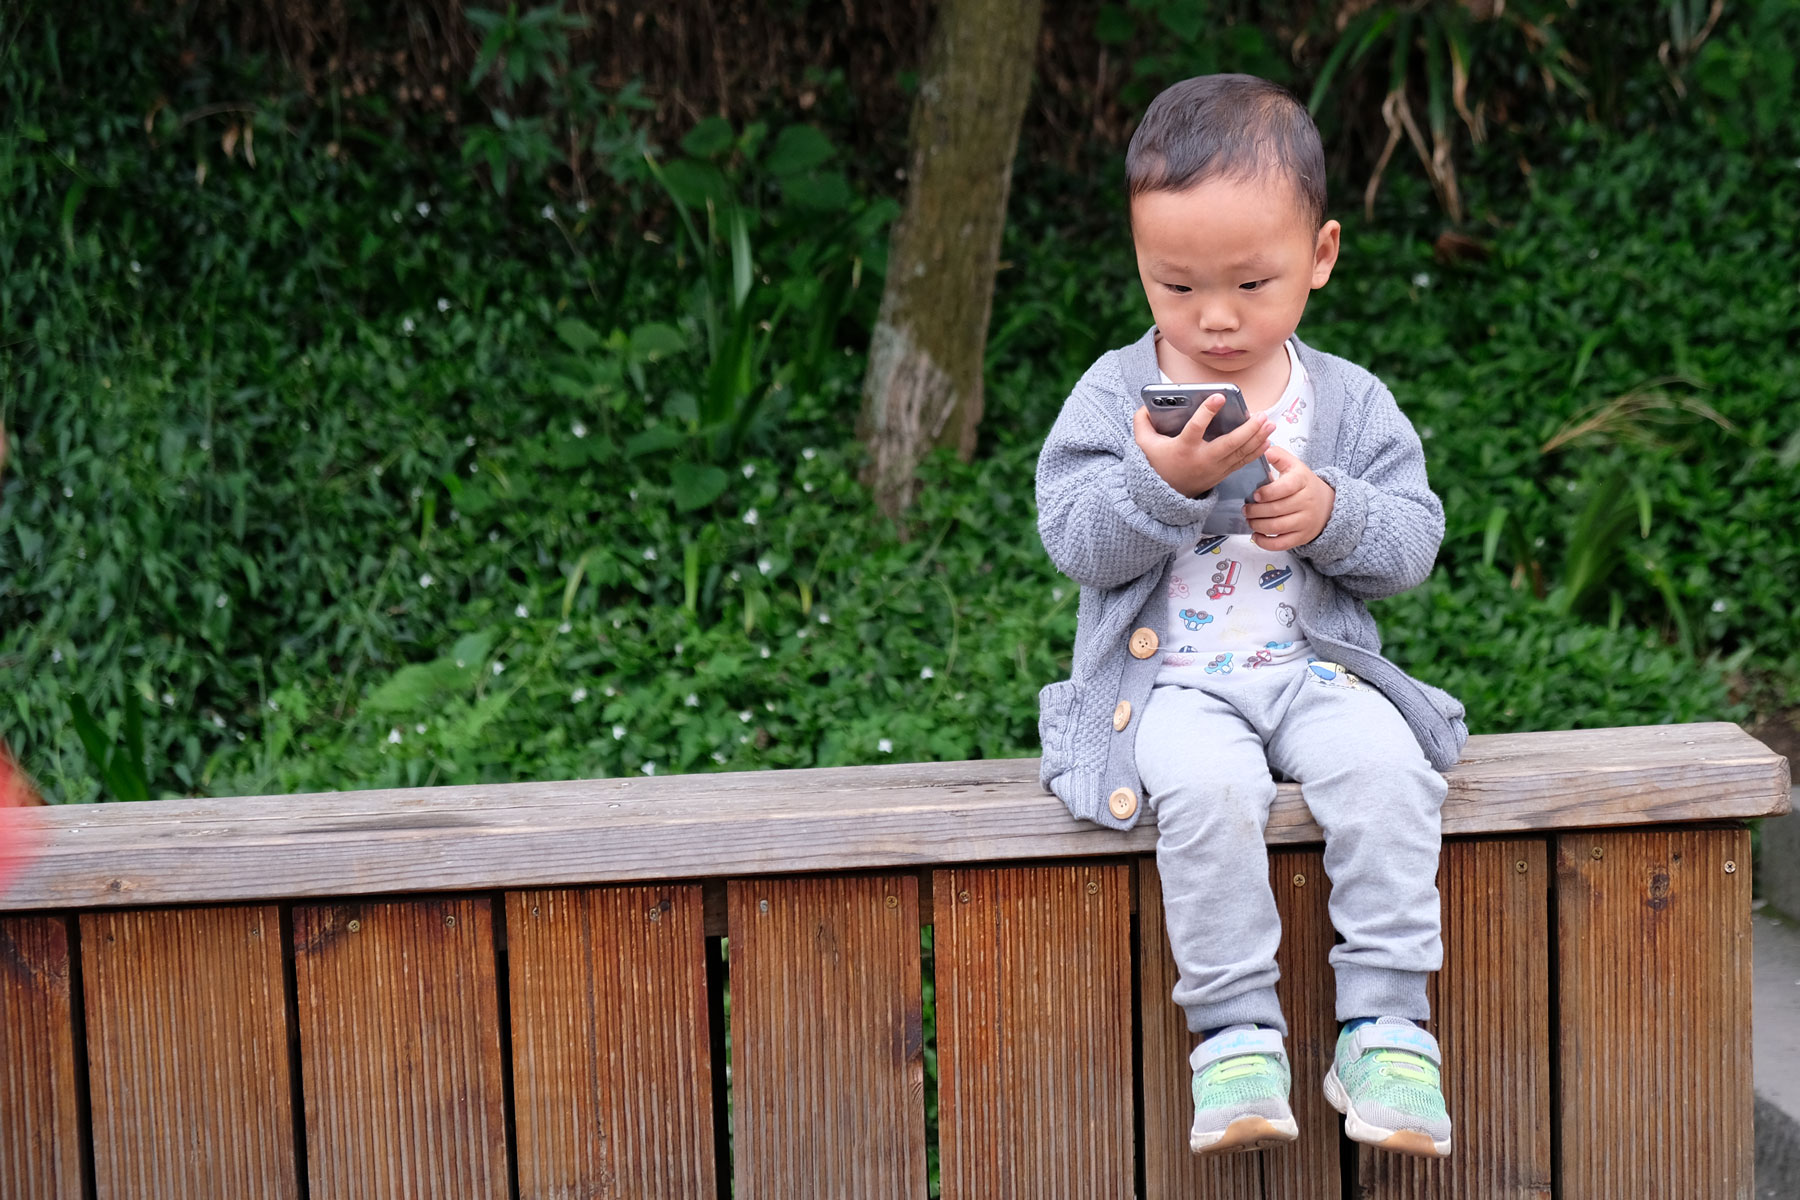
1180	289
1253	285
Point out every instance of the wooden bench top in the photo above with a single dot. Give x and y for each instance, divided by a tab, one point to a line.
761	822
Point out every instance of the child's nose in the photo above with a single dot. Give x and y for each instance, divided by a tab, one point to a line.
1217	317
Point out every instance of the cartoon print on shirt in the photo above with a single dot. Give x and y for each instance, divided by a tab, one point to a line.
1292	415
1330	673
1279	645
1224	580
1210	543
1220	665
1178	588
1298	445
1275	578
1284	615
1261	658
1194	618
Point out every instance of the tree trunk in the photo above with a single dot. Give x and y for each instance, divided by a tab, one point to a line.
923	387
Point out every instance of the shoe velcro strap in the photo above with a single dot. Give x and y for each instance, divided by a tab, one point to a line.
1380	1036
1235	1042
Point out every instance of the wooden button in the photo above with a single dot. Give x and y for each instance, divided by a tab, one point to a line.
1143	642
1123	802
1122	715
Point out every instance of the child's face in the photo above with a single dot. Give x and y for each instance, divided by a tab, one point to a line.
1228	266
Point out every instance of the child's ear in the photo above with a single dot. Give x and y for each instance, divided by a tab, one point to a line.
1325	252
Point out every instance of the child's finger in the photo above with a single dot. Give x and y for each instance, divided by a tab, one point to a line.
1195	429
1270	510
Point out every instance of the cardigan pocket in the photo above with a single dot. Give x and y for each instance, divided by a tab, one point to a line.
1056	709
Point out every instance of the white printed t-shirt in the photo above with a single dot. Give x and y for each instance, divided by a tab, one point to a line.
1231	606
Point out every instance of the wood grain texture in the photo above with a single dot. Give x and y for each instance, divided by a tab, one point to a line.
1171	1170
748	823
1311	1167
1653	956
400	1050
1034	1016
827	1039
612	1074
187	1041
1490	1010
40	1130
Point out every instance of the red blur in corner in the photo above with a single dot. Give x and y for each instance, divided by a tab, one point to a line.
19	833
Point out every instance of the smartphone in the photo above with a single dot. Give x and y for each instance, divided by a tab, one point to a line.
1173	405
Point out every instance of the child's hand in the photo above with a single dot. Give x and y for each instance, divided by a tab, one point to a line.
1293	510
1188	462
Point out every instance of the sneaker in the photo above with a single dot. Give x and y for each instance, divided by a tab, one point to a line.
1241	1085
1384	1079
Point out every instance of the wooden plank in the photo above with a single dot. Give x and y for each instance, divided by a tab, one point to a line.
187	1046
747	823
612	1071
1310	1168
1034	1018
1653	958
40	1123
827	1038
1171	1170
1491	1014
400	1050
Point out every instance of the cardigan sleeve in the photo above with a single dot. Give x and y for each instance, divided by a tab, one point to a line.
1386	523
1104	514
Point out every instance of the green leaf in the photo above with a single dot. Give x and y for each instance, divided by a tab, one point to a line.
709	138
1183	18
798	148
577	335
822	191
1113	26
653	340
653	439
696	486
741	267
693	183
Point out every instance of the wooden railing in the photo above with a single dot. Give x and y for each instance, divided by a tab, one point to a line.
524	989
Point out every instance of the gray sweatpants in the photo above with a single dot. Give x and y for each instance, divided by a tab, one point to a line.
1205	756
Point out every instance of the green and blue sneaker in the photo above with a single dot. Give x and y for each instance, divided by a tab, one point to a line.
1241	1085
1384	1079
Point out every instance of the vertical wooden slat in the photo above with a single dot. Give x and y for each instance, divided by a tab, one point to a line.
1653	958
1490	1009
827	1038
612	1087
1171	1170
400	1050
187	1039
40	1134
1034	1031
1311	1167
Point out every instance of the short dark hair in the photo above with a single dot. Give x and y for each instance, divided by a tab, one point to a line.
1227	126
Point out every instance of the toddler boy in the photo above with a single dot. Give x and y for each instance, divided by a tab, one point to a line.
1221	640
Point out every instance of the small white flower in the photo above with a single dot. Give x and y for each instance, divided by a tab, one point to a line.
136	267
219	600
520	612
678	647
240	735
824	618
443	304
617	623
474	467
169	699
885	746
692	701
609	690
417	492
749	470
769	705
578	429
419	728
499	666
469	441
649	553
1718	606
1570	486
218	721
273	707
802	632
718	756
493	535
1594	252
807	487
735	577
743	739
1422	279
1056	593
632	493
750	517
460	664
763	653
68	493
618	733
423	208
926	673
1538	542
578	695
1427	432
56	656
581	206
407	326
205	444
396	215
765	564
648	768
809	454
744	716
425	580
547	213
564	627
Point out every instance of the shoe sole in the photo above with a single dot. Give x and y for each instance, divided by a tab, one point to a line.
1245	1133
1400	1141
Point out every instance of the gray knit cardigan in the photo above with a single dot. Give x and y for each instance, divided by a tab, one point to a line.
1112	524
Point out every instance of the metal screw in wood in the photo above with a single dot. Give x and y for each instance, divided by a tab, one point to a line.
1093	886
1730	867
534	911
354	925
1599	853
1521	867
449	922
893	902
762	906
1299	880
963	896
655	914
